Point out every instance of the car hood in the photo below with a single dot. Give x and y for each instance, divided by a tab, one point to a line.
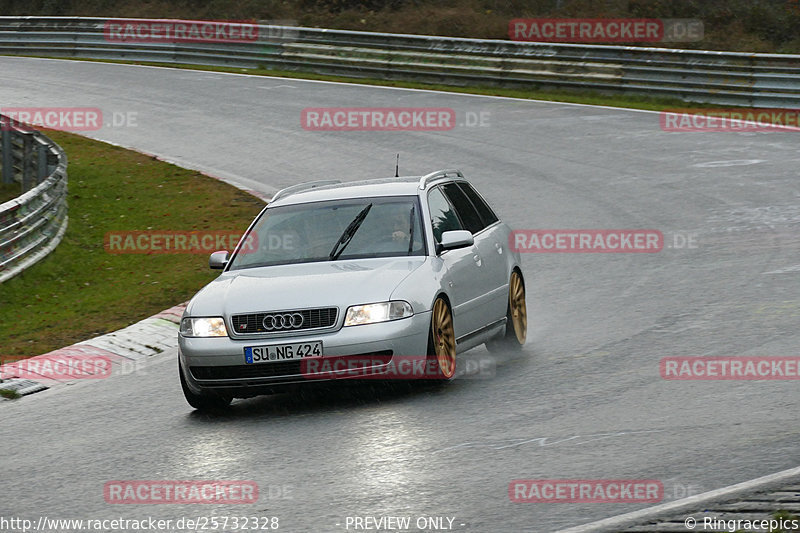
285	287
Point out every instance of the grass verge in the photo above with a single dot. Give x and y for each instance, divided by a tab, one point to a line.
8	191
9	394
80	291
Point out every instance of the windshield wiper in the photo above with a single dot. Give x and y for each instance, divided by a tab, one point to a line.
411	231
348	233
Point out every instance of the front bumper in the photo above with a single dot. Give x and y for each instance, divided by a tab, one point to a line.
217	363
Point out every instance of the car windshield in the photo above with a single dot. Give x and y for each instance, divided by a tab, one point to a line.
333	231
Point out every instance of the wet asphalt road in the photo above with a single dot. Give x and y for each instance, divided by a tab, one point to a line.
584	401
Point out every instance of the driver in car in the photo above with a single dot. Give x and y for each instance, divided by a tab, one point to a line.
400	224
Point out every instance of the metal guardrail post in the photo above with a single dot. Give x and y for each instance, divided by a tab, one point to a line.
27	162
41	161
5	152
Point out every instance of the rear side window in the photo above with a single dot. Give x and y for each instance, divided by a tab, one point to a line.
483	208
443	218
466	211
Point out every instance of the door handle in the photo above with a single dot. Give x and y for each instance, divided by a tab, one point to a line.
477	259
499	248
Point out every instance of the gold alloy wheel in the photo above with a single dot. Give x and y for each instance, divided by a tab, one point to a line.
444	339
516	304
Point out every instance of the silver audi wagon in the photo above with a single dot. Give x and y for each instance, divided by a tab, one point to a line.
345	281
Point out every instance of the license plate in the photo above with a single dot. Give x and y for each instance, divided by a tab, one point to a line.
281	352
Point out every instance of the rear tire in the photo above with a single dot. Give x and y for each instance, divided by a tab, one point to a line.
513	338
442	342
203	401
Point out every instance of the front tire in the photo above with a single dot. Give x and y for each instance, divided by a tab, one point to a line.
516	318
442	341
203	402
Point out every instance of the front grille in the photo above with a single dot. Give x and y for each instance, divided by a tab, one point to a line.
284	321
271	370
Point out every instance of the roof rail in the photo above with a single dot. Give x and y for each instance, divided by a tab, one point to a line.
444	173
288	191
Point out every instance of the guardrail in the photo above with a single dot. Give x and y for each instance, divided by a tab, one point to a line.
725	78
31	225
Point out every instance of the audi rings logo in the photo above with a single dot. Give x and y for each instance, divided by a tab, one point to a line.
282	321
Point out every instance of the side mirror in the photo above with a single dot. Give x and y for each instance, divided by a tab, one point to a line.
218	260
455	239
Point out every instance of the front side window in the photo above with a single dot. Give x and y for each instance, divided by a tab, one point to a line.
443	218
333	231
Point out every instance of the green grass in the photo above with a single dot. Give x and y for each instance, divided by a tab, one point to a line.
80	291
9	191
10	394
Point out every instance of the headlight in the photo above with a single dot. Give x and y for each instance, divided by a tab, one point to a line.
380	312
203	327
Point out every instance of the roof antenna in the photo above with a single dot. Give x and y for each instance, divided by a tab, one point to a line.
397	167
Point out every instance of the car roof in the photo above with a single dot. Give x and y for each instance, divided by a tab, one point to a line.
327	190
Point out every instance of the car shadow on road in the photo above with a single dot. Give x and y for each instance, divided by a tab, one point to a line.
476	369
319	398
